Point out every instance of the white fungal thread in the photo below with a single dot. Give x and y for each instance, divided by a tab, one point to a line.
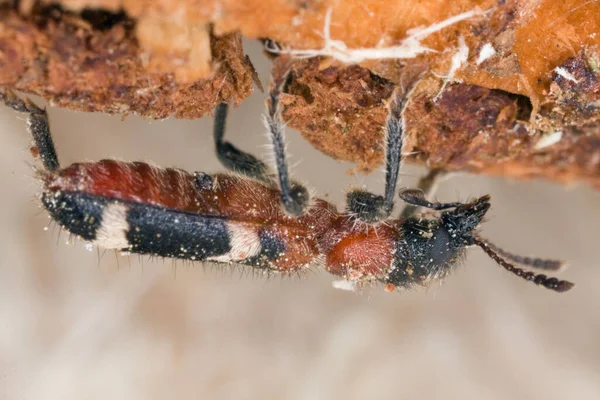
565	74
410	47
548	140
486	52
458	59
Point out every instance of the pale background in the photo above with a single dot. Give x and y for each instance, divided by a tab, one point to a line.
73	326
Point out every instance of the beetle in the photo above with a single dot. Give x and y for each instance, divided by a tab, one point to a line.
265	220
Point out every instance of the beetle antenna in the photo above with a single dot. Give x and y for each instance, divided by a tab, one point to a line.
539	279
533	262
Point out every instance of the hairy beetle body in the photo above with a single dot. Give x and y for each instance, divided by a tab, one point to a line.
252	219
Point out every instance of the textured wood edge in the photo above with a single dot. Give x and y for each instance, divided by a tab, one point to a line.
529	107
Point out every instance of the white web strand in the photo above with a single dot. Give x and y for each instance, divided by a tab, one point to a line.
458	59
410	47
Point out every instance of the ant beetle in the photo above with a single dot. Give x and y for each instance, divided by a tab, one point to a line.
264	220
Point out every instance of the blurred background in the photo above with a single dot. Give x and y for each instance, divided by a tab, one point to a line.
79	324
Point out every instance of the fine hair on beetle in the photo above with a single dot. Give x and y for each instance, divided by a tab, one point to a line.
262	219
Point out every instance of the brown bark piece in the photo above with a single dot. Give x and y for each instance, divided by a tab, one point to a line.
76	65
342	111
533	35
482	130
497	113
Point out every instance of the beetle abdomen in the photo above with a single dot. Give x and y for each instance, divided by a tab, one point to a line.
141	228
142	209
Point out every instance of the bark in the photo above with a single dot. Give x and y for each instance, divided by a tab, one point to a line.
512	90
